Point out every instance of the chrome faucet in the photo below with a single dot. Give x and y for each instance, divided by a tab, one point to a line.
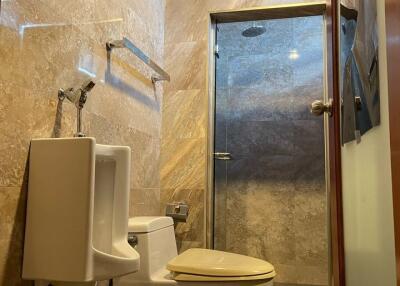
78	97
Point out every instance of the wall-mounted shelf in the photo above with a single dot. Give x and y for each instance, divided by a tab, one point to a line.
125	43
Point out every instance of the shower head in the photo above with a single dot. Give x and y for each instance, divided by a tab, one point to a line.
254	31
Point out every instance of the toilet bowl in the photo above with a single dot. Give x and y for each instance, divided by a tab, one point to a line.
154	239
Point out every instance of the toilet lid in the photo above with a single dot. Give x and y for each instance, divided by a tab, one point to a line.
218	263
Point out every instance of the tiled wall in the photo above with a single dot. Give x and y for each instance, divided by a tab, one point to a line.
185	112
271	198
46	45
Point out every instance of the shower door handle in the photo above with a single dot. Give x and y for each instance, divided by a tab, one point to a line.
222	156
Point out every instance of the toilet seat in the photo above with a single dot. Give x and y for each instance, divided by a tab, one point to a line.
201	278
212	265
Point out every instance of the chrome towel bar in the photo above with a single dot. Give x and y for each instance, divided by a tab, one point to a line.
125	43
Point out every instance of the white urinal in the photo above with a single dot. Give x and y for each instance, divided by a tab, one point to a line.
77	213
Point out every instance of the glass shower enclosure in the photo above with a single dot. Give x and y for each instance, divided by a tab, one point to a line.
269	195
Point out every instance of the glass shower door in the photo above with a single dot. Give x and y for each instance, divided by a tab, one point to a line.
269	170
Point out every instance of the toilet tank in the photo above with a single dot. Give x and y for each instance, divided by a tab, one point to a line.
155	243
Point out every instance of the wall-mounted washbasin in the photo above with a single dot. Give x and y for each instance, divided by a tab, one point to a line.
77	213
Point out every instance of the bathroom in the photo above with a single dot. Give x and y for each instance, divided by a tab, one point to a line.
255	171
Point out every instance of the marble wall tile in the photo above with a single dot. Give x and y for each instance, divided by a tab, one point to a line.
25	115
308	137
259	222
188	20
221	68
272	216
183	113
183	164
187	63
315	166
12	224
311	227
260	139
272	72
276	39
145	149
308	32
242	101
302	98
144	202
220	128
46	45
81	50
220	207
308	69
222	96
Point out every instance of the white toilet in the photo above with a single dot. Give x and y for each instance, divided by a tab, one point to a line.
160	263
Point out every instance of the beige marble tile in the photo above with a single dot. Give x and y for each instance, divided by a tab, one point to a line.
145	149
220	205
286	273
301	274
310	225
183	164
144	202
15	13
51	68
184	114
314	275
77	11
12	221
187	63
26	115
259	222
186	21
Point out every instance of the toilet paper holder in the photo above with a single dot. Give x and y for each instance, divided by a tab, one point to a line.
178	211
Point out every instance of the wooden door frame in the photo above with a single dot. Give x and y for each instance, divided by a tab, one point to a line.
335	167
392	10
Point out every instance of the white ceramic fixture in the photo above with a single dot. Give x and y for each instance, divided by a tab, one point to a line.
77	213
161	264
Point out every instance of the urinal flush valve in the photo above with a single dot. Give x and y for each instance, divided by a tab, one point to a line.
78	97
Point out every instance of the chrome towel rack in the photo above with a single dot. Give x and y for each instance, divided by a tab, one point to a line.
125	43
